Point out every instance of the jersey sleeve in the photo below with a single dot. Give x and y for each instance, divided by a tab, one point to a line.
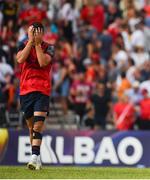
50	50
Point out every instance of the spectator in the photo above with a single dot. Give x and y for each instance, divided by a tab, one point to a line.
88	119
113	71
106	45
68	14
114	28
80	92
139	56
134	93
9	10
145	71
130	73
5	69
124	85
32	14
100	100
112	12
144	112
90	72
126	34
9	90
146	85
120	56
22	32
124	114
3	54
138	37
93	14
133	20
61	79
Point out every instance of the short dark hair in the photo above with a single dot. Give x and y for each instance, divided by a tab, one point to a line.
38	25
123	74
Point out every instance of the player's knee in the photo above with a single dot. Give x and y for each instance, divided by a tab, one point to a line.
38	123
37	128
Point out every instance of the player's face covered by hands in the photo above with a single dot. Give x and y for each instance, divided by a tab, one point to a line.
38	35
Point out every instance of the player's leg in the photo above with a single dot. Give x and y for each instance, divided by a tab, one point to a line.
38	127
27	106
39	118
41	107
30	122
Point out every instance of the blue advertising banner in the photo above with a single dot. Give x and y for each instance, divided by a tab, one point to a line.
84	148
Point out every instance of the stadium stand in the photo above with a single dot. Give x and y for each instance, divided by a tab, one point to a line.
101	68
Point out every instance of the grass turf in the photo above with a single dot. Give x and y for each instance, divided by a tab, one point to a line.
21	172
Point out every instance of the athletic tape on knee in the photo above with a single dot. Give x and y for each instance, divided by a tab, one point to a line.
37	135
39	118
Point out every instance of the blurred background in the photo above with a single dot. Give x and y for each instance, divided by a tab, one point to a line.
101	68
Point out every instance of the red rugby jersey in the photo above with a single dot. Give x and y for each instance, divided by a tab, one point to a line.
145	111
128	118
33	77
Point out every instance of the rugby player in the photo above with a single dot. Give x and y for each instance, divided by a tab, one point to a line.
35	59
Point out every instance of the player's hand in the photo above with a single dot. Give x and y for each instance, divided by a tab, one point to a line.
38	34
30	34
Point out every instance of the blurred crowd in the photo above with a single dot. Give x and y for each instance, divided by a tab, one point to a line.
101	68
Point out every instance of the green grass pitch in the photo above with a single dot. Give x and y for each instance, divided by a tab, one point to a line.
21	172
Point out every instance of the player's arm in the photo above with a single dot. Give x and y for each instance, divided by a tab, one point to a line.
58	83
43	58
23	54
115	118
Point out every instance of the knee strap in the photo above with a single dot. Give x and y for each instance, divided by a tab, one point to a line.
37	135
39	118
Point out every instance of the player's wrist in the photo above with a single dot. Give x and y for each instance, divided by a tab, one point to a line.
37	44
30	42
